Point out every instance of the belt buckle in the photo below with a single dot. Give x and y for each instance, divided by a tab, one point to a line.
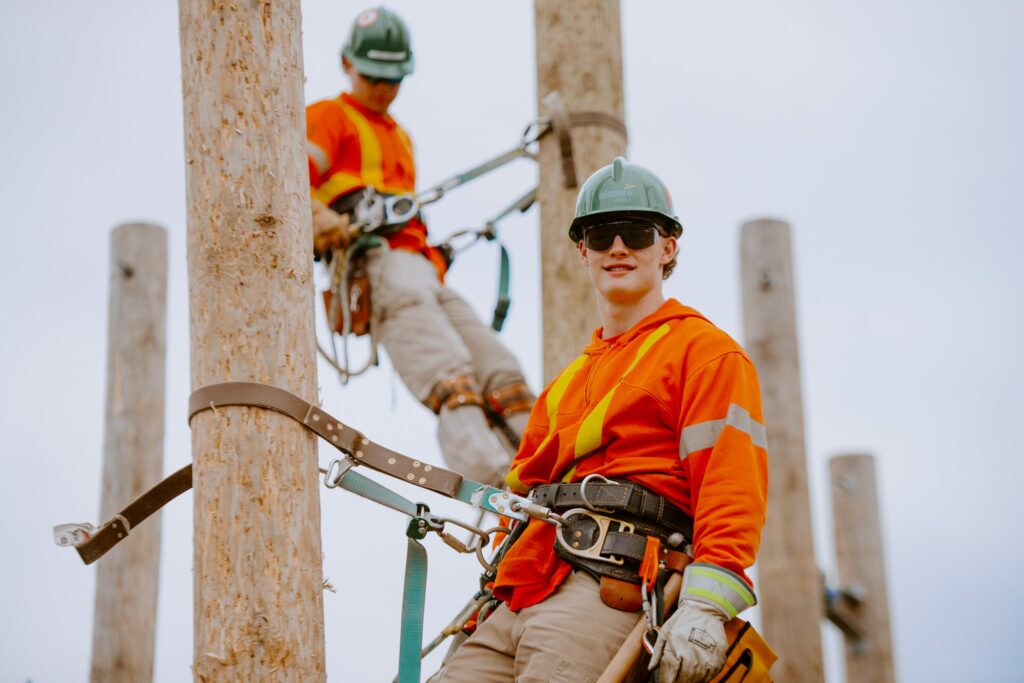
593	552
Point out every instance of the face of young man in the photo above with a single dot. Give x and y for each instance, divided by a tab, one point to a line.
624	271
373	93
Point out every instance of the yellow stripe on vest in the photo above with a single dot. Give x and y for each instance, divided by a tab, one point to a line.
338	184
369	147
551	404
589	435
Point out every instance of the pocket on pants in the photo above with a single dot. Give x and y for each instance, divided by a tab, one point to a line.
570	672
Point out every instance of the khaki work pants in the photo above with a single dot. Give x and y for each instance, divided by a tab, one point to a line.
431	334
568	638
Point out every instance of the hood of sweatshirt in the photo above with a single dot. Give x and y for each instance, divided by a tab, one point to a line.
670	310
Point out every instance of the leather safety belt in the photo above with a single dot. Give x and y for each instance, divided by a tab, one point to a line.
92	544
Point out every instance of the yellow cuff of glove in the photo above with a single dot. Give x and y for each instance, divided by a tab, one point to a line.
718	587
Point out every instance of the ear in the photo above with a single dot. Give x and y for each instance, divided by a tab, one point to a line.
583	254
669	249
346	65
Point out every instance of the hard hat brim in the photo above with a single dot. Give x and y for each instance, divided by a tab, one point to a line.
380	69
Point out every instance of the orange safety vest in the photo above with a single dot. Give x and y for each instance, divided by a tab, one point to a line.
674	405
351	147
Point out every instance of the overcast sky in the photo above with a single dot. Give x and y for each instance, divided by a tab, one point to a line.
887	133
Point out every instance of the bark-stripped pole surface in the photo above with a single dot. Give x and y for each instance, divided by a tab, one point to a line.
861	563
258	572
789	585
579	55
124	625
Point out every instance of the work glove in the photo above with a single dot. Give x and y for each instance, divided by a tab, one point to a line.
691	645
330	228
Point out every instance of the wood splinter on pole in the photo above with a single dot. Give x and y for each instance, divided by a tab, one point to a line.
258	586
861	562
124	623
579	56
790	589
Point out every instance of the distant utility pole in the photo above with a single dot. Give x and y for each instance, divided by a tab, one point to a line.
258	586
579	56
790	586
124	625
861	562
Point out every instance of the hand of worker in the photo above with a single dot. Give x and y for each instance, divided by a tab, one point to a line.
330	228
691	645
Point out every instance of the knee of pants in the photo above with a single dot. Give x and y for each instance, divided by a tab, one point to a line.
396	297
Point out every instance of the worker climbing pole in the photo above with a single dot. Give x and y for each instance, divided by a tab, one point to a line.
258	571
363	182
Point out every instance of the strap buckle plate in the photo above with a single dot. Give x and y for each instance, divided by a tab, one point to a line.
593	551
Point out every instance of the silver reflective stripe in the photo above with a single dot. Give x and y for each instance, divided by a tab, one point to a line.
318	156
716	586
705	434
386	55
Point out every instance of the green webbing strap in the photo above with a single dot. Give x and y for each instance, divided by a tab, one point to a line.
413	600
501	307
368	488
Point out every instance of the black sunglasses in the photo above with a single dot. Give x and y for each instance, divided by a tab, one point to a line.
374	80
634	236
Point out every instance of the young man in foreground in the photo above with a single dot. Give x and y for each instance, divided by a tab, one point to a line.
654	433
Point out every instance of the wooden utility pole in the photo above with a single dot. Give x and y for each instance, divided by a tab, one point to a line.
258	574
861	562
124	625
790	588
579	56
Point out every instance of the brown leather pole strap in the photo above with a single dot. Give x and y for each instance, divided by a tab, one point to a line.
561	122
321	423
116	529
561	125
600	119
332	430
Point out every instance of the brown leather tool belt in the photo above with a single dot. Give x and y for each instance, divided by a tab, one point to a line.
606	525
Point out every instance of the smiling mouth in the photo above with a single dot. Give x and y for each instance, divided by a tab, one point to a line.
621	268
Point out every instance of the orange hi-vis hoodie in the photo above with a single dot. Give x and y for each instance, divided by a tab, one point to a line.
674	405
351	147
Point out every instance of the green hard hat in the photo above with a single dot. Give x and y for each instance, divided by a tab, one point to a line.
622	190
379	45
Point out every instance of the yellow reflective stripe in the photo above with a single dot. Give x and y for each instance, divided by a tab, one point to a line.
554	396
559	387
589	435
338	184
369	147
721	577
715	598
512	479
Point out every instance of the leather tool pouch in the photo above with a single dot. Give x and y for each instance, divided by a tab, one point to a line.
748	658
358	300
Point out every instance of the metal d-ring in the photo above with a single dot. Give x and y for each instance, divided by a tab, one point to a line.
583	492
342	465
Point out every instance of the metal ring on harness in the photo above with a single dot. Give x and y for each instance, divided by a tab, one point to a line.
583	491
343	465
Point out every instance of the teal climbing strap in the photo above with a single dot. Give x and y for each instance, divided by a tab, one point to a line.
413	600
339	476
502	305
